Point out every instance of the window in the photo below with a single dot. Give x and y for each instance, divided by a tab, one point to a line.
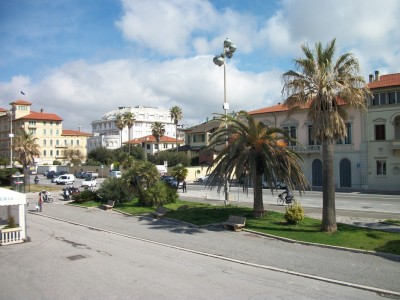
57	153
44	131
148	146
51	142
392	97
381	167
44	152
51	152
77	142
72	142
65	142
156	146
44	142
347	139
380	132
379	99
292	132
165	146
57	142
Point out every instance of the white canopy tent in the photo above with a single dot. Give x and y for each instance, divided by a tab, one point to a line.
14	201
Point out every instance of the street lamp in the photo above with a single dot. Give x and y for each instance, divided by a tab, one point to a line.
220	60
11	134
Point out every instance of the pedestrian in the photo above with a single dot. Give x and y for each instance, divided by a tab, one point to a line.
40	202
184	186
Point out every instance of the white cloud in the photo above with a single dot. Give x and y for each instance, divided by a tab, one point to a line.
80	92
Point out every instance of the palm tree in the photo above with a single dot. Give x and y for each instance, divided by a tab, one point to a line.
25	150
158	131
180	172
129	120
328	88
176	115
256	150
119	122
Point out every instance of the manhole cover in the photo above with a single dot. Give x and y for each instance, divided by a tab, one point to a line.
75	257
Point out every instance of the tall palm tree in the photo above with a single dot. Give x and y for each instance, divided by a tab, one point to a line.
256	150
25	150
158	131
129	121
120	123
176	115
328	88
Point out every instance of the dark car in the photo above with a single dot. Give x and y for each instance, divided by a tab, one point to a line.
172	182
51	174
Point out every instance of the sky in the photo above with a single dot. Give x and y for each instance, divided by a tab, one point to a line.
82	59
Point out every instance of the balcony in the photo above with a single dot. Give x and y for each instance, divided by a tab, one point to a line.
396	145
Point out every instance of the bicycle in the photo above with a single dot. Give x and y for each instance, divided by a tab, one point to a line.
283	200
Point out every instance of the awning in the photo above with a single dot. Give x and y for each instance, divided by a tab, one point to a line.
8	197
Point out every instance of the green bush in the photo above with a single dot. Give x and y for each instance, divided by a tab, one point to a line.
115	189
294	213
85	195
158	194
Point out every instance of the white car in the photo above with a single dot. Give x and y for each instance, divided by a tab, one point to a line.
89	182
203	178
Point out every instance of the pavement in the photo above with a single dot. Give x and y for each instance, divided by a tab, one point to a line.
368	271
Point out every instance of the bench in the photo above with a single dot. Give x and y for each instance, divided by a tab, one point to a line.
160	212
236	222
109	205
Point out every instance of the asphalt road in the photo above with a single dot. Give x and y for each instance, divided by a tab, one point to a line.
66	261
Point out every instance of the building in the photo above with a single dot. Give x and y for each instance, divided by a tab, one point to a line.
348	153
45	127
150	144
383	133
106	134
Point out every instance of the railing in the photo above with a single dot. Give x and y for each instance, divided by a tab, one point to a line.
11	236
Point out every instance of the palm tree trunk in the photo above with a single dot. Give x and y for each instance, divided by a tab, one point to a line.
129	144
176	136
258	207
328	188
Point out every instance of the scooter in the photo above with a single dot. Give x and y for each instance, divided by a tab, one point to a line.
47	197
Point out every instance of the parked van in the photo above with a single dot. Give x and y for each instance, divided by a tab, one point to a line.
115	174
66	179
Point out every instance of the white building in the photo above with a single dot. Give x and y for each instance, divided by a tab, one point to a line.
106	133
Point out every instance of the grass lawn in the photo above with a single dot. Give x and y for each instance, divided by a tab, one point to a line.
275	224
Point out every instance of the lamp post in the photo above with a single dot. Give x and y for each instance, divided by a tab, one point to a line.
220	60
11	135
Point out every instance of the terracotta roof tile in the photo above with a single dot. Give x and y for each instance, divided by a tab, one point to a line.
21	102
41	116
68	132
385	81
3	109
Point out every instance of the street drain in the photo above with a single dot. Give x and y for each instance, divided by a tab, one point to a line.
75	257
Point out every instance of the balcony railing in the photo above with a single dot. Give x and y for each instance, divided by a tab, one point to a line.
396	145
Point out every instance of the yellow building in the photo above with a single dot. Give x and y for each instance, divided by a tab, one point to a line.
54	142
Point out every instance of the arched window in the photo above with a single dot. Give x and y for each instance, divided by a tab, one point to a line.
44	131
77	142
317	172
72	142
44	152
57	153
57	142
51	142
51	152
44	142
345	173
397	128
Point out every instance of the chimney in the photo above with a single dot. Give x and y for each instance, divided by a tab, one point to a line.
79	128
371	77
376	75
41	110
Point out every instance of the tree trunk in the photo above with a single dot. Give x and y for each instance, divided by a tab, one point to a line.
129	143
176	136
328	188
258	207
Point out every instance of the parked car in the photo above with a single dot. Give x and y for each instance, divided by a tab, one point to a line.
80	175
55	179
203	178
65	179
279	185
89	182
172	182
90	174
115	174
51	174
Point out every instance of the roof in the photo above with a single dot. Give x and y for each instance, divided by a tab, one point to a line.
152	139
21	102
281	108
41	116
385	81
3	109
204	127
74	133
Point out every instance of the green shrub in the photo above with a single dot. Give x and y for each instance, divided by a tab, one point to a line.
85	195
158	194
294	213
115	189
11	222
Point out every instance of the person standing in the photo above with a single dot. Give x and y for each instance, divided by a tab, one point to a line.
40	202
184	186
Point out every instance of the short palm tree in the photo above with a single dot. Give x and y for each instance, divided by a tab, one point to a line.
26	149
120	123
176	115
158	131
328	88
129	121
256	150
180	172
